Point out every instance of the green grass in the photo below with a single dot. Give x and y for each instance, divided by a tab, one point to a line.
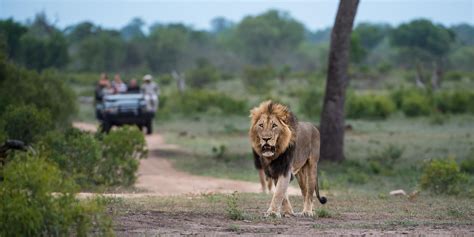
418	140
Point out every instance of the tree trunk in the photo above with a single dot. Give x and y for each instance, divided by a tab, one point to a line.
332	116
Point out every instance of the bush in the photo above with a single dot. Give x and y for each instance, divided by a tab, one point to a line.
442	176
416	104
25	123
258	79
467	165
202	75
46	91
311	103
76	153
454	102
38	201
233	210
202	101
122	150
369	106
385	160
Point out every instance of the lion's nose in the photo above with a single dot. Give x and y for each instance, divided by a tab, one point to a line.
266	139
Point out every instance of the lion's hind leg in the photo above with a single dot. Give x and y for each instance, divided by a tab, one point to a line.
309	175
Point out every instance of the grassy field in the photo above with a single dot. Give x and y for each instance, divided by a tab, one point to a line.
219	147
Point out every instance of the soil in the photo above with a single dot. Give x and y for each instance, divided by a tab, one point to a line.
158	177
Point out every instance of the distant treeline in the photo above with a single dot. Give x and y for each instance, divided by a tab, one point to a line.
273	39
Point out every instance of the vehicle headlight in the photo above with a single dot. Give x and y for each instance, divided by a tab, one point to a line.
112	110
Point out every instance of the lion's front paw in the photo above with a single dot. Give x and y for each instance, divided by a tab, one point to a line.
272	214
288	214
306	213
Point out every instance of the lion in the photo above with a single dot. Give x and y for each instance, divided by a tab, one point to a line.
286	148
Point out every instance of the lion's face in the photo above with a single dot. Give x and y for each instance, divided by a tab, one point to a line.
268	129
271	131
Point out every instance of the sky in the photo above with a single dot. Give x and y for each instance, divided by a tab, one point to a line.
198	13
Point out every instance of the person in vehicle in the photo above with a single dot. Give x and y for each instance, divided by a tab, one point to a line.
101	84
119	86
108	89
151	91
133	86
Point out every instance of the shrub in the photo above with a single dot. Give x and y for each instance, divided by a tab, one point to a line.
46	91
38	201
202	101
258	79
202	75
415	104
442	176
233	210
122	150
385	160
25	123
311	102
76	153
369	106
454	102
467	165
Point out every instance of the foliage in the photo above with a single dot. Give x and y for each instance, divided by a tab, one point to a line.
369	106
202	101
77	154
467	165
442	176
122	150
258	79
12	32
323	213
38	201
46	91
233	210
269	32
423	35
384	161
25	123
415	104
104	51
459	101
311	102
204	74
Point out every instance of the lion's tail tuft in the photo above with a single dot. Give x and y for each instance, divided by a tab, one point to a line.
322	200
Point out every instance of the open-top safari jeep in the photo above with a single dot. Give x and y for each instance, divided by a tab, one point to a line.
120	109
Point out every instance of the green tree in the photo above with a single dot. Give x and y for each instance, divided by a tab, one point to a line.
12	31
104	52
167	45
43	46
271	32
423	44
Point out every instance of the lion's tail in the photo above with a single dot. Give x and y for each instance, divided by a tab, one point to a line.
323	199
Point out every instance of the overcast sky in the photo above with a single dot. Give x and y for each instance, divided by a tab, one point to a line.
314	14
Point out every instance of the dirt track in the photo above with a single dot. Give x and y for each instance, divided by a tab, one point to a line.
157	177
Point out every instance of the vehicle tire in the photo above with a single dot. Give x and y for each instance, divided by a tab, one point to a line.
105	127
149	127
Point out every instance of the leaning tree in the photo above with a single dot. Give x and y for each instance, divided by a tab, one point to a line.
332	116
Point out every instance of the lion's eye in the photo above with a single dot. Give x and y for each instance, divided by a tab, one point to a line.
261	125
274	125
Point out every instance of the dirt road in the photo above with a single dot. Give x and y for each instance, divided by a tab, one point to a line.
158	177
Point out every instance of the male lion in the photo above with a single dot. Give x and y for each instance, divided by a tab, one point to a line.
286	147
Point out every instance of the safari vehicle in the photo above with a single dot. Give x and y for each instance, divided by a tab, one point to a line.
120	109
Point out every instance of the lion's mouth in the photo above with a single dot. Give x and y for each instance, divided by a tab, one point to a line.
267	150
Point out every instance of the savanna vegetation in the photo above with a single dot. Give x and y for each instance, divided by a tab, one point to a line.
409	112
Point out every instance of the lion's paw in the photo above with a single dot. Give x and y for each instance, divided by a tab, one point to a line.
272	214
288	214
306	213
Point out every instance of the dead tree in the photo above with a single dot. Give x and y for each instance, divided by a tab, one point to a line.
332	116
